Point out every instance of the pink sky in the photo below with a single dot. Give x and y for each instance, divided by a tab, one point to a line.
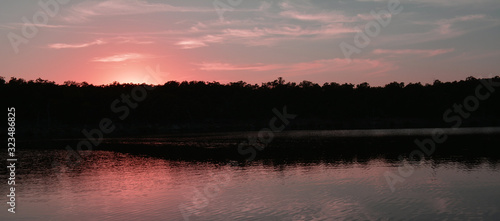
256	41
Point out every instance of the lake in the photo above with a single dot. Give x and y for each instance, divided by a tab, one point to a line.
111	185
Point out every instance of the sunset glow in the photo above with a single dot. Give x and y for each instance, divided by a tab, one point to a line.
250	110
255	41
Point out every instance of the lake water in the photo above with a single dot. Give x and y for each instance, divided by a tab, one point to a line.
108	185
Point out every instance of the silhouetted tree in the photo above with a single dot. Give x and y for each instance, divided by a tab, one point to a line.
208	106
364	85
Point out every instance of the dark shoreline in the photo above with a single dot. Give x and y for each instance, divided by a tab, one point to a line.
224	147
47	110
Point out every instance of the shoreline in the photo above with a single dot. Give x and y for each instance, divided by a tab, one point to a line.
288	145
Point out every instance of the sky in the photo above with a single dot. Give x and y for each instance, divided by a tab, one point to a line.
346	41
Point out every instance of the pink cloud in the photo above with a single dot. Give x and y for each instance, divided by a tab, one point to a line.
426	53
116	40
466	18
232	67
322	17
40	25
445	24
340	65
131	40
245	33
120	57
336	65
266	36
84	45
83	11
198	43
190	44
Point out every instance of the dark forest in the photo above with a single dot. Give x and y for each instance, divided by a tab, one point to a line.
48	110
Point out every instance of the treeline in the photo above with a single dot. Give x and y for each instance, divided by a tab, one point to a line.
46	109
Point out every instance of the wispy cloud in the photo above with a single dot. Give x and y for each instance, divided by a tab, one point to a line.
446	24
426	53
85	10
207	66
120	57
438	2
83	45
336	65
340	65
266	35
190	44
441	29
319	17
115	40
131	40
20	25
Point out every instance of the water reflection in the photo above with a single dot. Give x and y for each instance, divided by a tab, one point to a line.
118	186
